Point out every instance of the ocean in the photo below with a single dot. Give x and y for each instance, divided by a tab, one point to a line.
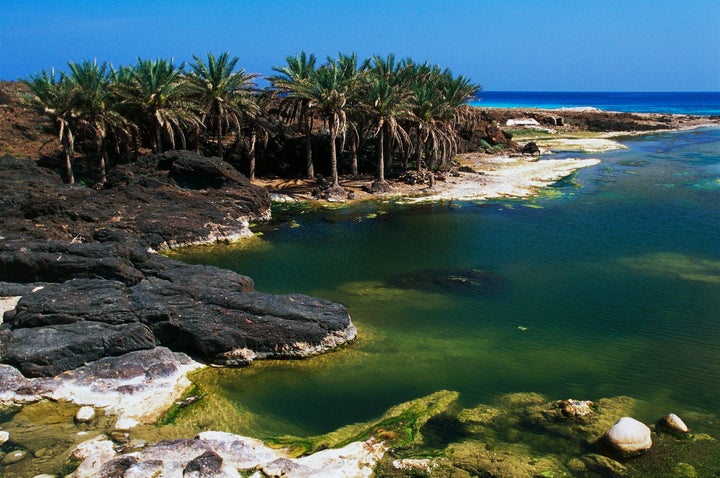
691	103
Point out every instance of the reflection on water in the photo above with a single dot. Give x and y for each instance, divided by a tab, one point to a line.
608	286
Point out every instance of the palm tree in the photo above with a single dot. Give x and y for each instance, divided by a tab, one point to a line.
52	97
224	96
292	81
97	113
456	92
259	126
158	93
428	105
386	99
328	92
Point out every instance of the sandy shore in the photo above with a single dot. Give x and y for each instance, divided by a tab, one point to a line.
479	177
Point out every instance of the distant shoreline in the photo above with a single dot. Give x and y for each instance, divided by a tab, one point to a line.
701	103
480	176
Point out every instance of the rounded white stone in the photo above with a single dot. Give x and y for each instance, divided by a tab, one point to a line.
629	436
674	424
85	414
4	437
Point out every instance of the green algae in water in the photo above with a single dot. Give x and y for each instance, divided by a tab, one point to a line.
596	326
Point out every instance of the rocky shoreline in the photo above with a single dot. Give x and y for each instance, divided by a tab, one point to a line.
81	280
94	316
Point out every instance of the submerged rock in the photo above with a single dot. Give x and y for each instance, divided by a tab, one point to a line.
13	457
450	281
603	465
576	408
629	437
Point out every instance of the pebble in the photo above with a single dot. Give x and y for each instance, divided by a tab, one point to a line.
4	437
13	457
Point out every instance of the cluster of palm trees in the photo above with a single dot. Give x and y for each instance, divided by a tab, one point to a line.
395	108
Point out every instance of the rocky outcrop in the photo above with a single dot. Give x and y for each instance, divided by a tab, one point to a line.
137	387
91	286
109	299
160	201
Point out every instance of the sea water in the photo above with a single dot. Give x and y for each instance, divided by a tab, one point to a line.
606	284
693	103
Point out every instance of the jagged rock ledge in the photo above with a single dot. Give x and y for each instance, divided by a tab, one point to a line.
78	264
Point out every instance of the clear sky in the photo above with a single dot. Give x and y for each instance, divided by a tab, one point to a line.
560	45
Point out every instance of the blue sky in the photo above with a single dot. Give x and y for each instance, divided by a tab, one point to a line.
586	45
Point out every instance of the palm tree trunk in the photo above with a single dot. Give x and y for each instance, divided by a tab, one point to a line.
251	155
68	146
333	155
381	157
197	139
308	149
102	153
387	146
219	140
354	156
418	151
158	139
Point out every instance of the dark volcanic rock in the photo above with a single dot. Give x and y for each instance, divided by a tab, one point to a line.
234	329
82	301
207	464
208	312
47	351
55	261
531	148
97	300
159	201
191	171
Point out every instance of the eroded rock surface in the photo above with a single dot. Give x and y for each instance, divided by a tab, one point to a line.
159	201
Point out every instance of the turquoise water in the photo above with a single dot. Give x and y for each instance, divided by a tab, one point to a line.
608	285
690	103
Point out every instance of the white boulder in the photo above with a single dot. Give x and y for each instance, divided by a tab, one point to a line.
629	436
4	437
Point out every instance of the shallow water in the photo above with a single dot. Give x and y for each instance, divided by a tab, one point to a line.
607	284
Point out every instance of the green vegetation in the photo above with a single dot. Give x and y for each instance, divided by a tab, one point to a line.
361	115
399	427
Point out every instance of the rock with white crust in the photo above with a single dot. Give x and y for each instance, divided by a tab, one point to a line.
85	414
629	437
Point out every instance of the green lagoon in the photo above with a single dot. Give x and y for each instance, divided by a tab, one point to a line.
606	284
